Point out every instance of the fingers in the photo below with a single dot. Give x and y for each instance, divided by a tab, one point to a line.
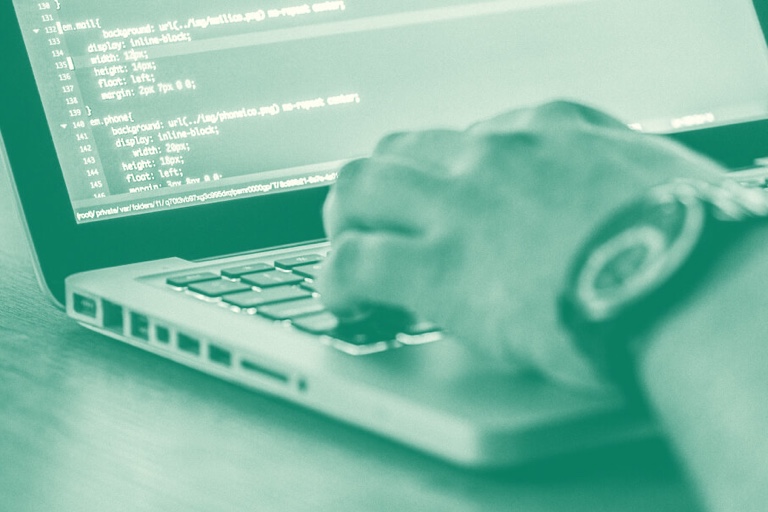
398	187
381	268
379	215
382	194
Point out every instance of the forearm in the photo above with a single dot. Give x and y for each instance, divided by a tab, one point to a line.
706	375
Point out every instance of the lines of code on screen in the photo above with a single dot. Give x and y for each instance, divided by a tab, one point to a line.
155	105
145	97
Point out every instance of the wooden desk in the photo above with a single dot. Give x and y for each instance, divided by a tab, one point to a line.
88	424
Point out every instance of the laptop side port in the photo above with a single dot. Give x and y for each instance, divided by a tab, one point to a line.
139	326
219	355
162	334
264	371
188	344
84	305
113	316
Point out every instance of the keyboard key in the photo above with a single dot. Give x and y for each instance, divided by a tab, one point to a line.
289	263
292	309
322	323
310	271
256	298
186	280
419	339
309	286
380	324
286	292
218	288
421	327
235	272
271	279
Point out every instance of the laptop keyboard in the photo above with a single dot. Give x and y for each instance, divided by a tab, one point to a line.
284	292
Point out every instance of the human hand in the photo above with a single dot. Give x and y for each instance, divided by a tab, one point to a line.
475	230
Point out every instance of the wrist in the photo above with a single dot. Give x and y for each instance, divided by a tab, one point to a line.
703	372
645	262
729	314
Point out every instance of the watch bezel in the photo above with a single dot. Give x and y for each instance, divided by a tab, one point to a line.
665	252
724	201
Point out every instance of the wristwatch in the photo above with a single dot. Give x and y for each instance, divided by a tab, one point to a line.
644	261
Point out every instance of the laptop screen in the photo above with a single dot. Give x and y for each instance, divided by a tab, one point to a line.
161	105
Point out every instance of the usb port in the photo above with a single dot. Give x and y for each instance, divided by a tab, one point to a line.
113	316
188	344
84	305
139	326
219	355
162	334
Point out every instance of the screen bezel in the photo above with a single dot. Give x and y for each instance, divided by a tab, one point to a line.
64	247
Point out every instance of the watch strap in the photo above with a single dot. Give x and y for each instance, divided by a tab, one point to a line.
615	339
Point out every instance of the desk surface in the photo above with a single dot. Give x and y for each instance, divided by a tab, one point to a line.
89	424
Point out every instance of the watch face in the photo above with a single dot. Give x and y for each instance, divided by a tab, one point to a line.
636	252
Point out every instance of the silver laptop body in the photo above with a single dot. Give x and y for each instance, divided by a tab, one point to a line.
174	141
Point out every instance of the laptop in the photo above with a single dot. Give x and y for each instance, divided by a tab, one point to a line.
171	161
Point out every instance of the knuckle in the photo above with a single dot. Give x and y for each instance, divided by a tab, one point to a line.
559	109
563	105
390	142
494	155
349	173
566	110
350	180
